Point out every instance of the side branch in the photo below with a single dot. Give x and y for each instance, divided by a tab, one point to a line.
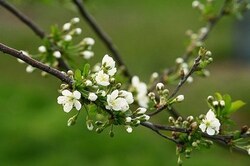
23	18
35	63
102	35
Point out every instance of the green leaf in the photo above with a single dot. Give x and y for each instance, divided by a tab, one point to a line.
86	70
78	76
228	101
235	106
218	96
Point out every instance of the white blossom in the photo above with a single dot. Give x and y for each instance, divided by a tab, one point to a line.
159	86
75	20
112	72
222	103
42	49
30	69
78	31
179	98
128	119
116	103
89	41
179	60
68	38
248	151
141	89
88	83
190	79
195	4
69	99
87	54
92	96
210	124
129	129
66	26
108	62
57	54
102	78
141	110
127	95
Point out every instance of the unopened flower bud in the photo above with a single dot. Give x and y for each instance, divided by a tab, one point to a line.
118	85
194	144
30	69
128	119
210	99
42	49
179	98
159	86
190	118
70	72
88	83
171	119
208	53
141	110
111	134
222	103
67	38
88	41
72	120
57	54
215	103
129	129
155	75
78	31
99	130
92	96
179	60
66	26
193	125
112	80
151	95
89	124
75	20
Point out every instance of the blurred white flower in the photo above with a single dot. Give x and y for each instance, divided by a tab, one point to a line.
42	49
68	38
30	69
89	41
78	31
116	103
69	99
75	20
179	98
141	90
66	26
129	129
127	95
210	124
92	96
102	78
88	83
57	54
87	54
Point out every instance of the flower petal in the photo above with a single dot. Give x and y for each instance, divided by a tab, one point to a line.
203	127
77	94
210	115
61	99
77	104
68	107
210	131
66	93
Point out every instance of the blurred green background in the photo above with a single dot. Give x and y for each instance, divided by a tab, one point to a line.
150	35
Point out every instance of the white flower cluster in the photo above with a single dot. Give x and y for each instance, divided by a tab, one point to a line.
107	70
139	116
210	124
141	92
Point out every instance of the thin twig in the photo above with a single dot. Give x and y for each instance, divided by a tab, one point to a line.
32	25
38	31
180	84
35	63
102	35
155	129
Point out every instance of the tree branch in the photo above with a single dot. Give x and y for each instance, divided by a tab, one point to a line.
35	63
102	35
